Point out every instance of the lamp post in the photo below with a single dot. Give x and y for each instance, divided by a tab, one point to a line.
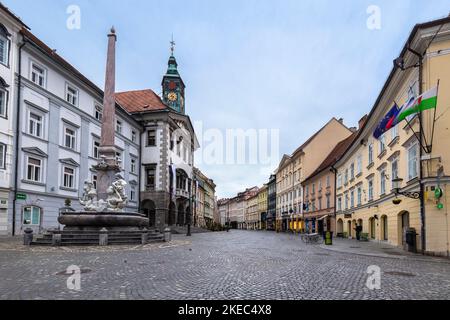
397	182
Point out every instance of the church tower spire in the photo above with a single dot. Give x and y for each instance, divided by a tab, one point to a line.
172	84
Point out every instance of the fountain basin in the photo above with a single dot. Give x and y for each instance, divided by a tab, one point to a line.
85	220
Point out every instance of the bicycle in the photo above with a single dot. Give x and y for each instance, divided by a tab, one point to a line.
313	238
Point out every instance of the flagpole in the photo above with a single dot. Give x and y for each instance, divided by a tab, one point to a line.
415	134
434	116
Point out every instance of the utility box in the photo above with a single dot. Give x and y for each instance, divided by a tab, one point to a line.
329	238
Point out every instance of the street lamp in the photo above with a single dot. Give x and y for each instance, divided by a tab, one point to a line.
396	183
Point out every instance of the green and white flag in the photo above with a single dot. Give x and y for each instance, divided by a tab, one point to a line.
427	100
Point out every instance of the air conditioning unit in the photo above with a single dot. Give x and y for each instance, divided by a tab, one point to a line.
3	204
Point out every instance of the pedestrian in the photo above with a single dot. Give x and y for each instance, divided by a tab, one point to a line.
358	230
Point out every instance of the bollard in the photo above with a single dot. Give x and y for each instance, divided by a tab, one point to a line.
27	236
103	237
167	235
144	237
56	239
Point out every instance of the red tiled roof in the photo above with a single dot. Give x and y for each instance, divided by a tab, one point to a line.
140	101
334	155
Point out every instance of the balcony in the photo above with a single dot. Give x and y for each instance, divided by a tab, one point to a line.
182	193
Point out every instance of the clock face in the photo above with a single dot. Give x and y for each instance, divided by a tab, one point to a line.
172	96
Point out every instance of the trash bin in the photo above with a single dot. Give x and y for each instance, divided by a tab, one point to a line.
410	239
329	238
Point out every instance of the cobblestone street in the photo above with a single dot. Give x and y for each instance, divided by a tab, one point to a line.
234	265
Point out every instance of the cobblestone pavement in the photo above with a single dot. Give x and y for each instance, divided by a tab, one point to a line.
234	265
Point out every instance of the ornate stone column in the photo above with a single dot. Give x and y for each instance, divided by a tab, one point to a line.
108	166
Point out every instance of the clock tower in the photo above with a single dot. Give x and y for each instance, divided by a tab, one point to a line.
173	86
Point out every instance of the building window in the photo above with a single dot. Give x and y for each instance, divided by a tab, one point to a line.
370	154
94	181
383	182
4	46
3	102
394	132
69	138
151	138
382	144
71	95
328	181
38	75
32	216
68	177
35	125
339	204
328	201
359	164
96	148
352	171
133	136
2	156
133	165
412	162
150	183
370	189
119	158
359	196
352	198
313	188
339	181
346	201
118	126
34	169
133	194
394	169
98	113
346	176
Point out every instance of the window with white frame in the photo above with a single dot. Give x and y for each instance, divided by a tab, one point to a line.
394	132
3	102
98	112
352	198
328	181
346	201
352	171
70	136
346	176
370	150
359	195
358	164
4	46
339	181
339	204
35	124
133	162
328	201
383	181
34	169
95	148
38	74
370	187
118	126
31	216
382	144
413	161
94	181
394	170
71	94
132	193
2	156
68	177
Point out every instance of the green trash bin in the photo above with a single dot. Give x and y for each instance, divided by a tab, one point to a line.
329	238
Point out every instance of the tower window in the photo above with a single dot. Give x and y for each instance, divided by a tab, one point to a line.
151	138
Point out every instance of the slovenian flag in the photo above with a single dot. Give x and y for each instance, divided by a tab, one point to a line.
427	100
388	122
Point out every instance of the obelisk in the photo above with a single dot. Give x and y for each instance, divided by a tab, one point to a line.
108	166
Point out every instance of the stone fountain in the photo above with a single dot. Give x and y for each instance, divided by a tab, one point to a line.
103	220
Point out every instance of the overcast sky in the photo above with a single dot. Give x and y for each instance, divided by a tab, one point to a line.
251	64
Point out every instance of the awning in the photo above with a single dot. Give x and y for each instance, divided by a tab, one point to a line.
325	216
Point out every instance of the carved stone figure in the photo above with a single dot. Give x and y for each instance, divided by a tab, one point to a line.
117	197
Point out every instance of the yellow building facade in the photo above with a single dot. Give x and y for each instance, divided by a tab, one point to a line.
262	207
365	192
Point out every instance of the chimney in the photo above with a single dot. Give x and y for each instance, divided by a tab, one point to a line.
353	129
362	121
341	120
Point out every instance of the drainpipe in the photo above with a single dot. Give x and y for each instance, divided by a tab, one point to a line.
16	149
334	170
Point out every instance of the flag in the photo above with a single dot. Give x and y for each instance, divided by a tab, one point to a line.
387	122
427	100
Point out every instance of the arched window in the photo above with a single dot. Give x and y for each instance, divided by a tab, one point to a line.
3	98
4	45
31	216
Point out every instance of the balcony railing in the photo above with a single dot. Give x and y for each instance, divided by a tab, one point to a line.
182	193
